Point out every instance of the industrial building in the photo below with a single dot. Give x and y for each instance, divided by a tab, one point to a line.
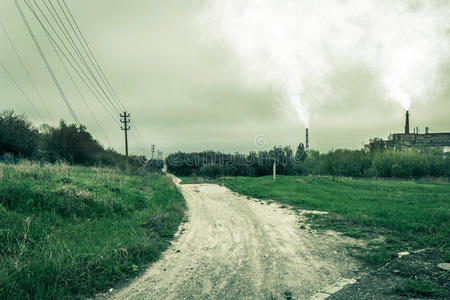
438	141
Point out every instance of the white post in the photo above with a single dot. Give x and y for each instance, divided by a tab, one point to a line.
274	171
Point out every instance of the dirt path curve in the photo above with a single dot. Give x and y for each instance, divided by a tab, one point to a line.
239	248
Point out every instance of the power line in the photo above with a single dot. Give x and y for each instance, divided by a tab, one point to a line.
138	145
65	47
138	137
83	42
94	84
41	53
26	71
87	51
90	51
21	91
67	35
79	93
93	60
107	108
69	38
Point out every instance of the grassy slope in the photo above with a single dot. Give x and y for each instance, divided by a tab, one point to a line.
67	232
410	215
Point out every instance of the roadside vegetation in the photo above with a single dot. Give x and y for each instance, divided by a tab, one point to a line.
375	162
70	231
392	216
70	143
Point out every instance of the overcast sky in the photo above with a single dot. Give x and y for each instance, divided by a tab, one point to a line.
182	70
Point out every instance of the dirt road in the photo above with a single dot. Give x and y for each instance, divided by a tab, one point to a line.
239	248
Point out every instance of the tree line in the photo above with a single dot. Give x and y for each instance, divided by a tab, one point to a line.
73	144
377	161
70	143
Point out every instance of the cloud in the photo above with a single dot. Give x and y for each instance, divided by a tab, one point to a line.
187	89
293	45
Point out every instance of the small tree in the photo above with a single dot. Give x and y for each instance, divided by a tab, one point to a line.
17	135
73	144
301	154
377	145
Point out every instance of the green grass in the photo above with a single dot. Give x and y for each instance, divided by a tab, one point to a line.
410	215
70	232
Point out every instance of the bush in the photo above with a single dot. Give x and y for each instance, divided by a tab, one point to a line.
413	164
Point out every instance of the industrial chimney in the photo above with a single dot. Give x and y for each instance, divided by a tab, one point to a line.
307	140
407	123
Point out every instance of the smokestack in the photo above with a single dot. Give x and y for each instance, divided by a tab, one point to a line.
307	140
407	122
426	130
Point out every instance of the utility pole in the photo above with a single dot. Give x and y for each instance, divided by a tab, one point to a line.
152	150
125	120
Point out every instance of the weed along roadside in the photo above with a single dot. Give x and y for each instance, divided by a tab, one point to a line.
71	232
404	226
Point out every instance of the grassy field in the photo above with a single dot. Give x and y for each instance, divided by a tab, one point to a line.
407	215
416	214
69	232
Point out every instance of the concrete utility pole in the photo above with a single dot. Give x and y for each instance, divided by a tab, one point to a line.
125	120
153	151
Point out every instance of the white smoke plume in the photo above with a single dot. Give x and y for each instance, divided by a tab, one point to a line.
293	44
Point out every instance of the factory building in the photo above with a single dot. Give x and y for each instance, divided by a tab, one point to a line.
438	141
